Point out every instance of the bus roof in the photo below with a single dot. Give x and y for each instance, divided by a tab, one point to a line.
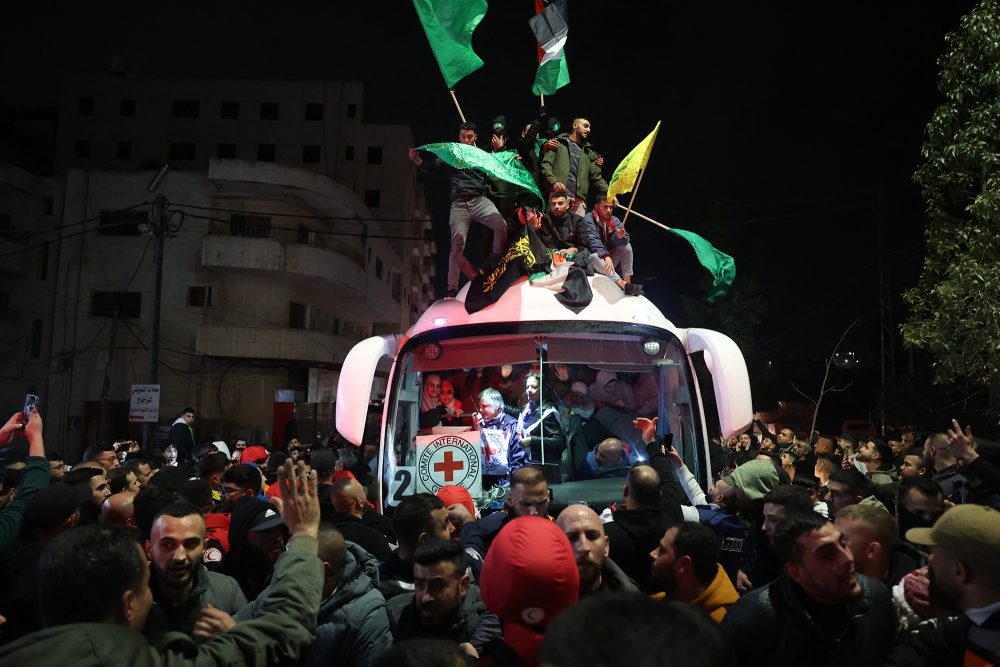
524	302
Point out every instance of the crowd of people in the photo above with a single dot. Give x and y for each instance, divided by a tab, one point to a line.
838	550
567	170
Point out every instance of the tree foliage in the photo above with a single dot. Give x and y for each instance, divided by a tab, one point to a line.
955	307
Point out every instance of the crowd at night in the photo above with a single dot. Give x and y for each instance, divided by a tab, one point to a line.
363	337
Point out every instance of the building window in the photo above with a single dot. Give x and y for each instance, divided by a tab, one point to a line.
269	111
121	223
310	154
199	296
126	108
181	150
106	304
296	315
265	152
314	111
81	148
123	151
36	339
378	267
229	110
373	198
85	106
226	151
184	109
348	152
352	110
253	226
374	155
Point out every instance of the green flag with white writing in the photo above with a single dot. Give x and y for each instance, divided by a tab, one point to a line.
502	165
449	25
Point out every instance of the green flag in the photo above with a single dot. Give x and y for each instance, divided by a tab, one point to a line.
503	166
719	264
449	25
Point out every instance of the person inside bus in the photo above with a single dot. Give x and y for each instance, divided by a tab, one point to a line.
538	422
451	407
502	451
430	403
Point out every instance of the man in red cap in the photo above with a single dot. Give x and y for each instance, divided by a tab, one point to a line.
529	577
461	508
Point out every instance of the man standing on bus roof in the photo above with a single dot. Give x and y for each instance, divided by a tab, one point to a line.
468	204
573	168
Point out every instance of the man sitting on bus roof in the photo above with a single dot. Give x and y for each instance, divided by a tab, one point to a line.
564	231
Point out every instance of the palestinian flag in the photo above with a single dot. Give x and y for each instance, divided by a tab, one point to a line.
569	281
525	256
551	27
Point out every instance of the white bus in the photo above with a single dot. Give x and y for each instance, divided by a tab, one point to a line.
702	389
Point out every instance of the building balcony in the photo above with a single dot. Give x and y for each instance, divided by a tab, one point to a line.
340	271
244	342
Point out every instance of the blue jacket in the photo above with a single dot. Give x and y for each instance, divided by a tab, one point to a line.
603	238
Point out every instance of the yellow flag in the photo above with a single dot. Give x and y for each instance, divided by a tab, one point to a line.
623	180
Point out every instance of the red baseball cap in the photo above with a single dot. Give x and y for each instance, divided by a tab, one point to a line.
457	495
528	579
254	454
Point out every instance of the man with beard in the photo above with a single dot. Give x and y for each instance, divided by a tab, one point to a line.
186	596
965	549
443	605
585	532
256	540
686	568
565	233
95	481
818	607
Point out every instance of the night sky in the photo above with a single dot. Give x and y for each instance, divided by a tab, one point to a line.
790	125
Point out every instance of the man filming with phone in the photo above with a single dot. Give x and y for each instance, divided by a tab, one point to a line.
26	423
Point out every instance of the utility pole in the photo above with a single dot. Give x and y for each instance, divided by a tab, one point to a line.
163	223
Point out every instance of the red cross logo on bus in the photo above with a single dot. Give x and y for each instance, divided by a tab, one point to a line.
449	466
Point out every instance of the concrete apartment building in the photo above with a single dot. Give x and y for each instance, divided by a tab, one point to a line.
299	231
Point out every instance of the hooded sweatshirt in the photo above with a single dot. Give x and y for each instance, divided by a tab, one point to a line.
250	568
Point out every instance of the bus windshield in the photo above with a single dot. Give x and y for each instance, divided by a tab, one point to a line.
562	398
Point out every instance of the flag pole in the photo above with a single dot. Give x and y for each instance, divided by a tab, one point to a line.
457	106
628	210
541	97
635	190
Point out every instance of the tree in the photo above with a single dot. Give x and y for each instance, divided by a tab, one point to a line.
955	307
823	389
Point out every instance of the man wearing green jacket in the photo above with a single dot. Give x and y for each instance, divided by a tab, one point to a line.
35	478
573	168
95	597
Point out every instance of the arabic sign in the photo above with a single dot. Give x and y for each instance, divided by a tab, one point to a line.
450	459
145	403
